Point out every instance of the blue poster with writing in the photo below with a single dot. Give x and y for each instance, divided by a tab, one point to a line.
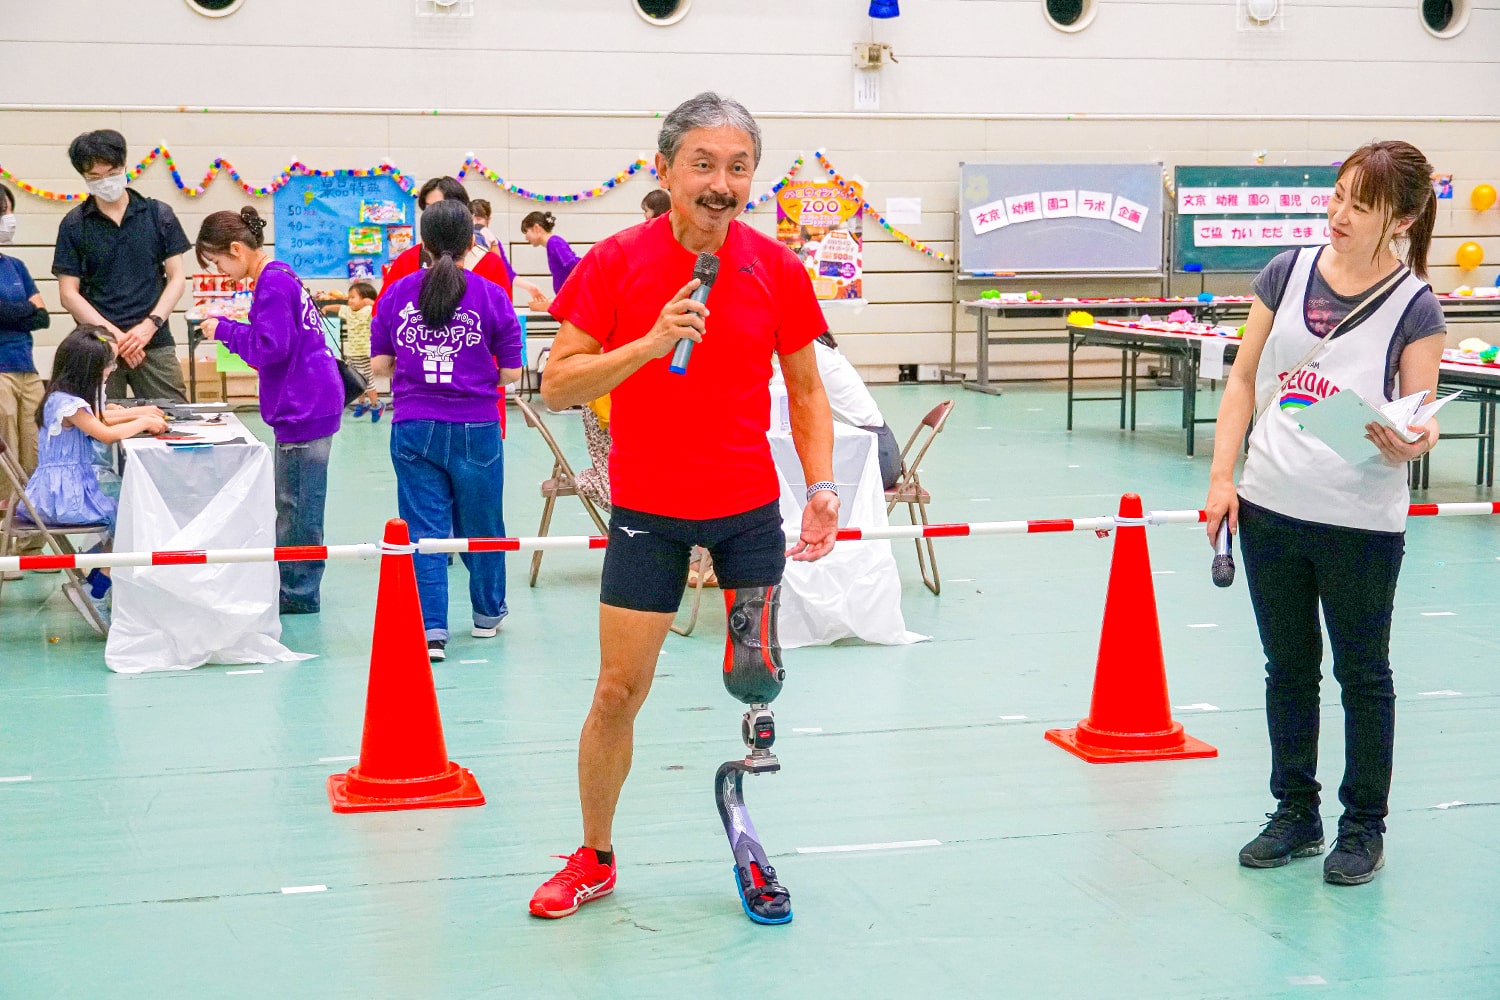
342	227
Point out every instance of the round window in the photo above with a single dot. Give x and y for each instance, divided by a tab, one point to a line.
662	11
1445	18
215	8
1069	15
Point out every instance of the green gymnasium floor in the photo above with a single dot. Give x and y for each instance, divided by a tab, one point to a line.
164	815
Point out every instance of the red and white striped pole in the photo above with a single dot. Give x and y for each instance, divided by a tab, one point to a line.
1101	525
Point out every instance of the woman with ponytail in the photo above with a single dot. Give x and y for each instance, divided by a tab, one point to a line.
447	339
301	393
1316	530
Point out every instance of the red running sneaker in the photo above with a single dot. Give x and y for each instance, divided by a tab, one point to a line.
582	879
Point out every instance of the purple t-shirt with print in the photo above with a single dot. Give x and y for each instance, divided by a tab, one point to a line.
449	374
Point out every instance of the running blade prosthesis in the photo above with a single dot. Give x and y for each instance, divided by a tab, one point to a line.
752	674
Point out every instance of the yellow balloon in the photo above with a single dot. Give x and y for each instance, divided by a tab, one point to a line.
1470	255
1482	197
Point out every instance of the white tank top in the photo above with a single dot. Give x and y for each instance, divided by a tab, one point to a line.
1289	470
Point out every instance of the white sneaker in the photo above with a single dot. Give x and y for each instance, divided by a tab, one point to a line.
94	612
480	632
437	650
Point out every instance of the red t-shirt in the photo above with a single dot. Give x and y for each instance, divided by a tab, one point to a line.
693	446
491	266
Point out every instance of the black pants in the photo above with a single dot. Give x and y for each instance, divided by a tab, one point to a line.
1291	566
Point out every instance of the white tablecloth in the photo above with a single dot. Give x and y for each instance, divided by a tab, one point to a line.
217	497
854	591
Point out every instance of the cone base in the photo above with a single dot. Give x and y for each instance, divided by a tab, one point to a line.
1184	748
344	800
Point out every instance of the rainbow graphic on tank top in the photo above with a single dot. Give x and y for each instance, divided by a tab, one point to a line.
1293	401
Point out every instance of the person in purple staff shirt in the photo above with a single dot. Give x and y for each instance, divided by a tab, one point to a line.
537	228
301	393
447	339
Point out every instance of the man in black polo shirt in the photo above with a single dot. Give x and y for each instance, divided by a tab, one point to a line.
119	265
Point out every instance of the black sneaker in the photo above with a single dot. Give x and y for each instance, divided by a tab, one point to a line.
437	650
1356	856
1294	832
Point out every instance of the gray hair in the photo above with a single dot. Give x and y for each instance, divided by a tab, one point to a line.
707	110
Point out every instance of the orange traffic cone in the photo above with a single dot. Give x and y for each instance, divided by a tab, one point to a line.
403	760
1130	717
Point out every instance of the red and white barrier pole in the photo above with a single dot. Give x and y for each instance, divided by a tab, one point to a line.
367	550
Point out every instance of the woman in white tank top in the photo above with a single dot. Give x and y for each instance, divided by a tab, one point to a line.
1316	530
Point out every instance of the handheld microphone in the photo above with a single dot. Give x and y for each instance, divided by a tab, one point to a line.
705	270
1223	567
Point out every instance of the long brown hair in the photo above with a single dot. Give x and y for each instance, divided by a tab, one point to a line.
1394	178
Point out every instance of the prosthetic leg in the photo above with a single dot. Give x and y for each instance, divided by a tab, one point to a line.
753	674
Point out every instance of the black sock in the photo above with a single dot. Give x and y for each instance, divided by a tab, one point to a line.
605	857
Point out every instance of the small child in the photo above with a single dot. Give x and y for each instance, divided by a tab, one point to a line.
66	488
356	316
484	238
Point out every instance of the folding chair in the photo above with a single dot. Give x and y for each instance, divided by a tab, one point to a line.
562	483
909	490
16	532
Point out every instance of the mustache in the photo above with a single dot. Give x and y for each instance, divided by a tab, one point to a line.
717	201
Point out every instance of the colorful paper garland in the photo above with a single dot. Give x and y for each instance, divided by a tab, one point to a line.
848	189
471	162
294	169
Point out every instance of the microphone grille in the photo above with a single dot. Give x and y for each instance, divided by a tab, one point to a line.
1222	571
707	268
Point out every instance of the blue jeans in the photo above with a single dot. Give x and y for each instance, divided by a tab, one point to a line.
449	481
301	495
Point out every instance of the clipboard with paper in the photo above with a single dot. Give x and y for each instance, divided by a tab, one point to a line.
1339	421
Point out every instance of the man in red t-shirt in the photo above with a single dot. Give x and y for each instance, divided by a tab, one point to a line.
690	463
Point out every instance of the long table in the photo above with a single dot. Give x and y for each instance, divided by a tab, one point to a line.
1481	384
1216	310
1133	341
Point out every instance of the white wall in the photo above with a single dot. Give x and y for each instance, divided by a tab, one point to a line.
977	80
1368	57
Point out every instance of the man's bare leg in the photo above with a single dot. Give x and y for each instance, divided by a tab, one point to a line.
629	644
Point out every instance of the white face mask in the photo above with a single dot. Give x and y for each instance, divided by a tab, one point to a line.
108	189
7	228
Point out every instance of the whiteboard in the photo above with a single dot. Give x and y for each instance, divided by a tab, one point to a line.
1056	238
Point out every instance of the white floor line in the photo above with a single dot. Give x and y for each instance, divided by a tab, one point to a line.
1440	694
292	889
849	848
1163	572
1204	625
1012	718
1449	805
1197	706
984	428
1439	614
1307	980
14	778
961	579
335	760
979	499
473	661
234	673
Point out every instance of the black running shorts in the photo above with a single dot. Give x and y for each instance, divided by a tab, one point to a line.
646	563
